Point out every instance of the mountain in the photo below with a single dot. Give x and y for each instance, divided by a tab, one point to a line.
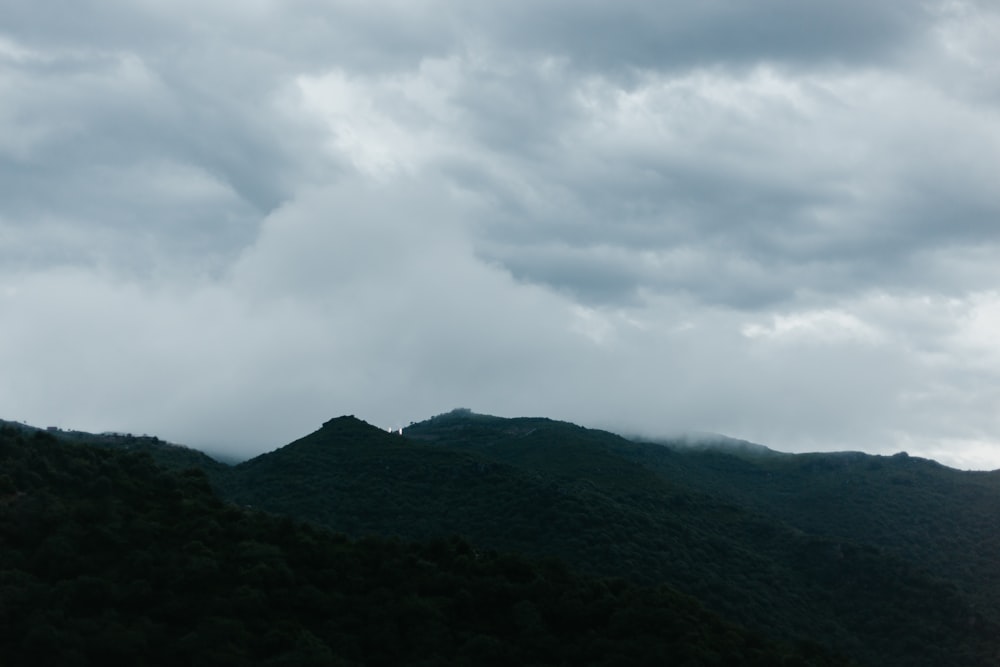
167	454
888	560
695	519
944	521
710	441
108	558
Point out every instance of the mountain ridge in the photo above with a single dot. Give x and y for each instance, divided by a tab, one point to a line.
110	559
615	506
693	440
860	544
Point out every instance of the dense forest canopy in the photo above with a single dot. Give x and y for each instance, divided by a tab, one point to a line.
884	560
107	558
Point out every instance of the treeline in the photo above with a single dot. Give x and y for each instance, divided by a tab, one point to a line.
106	558
612	507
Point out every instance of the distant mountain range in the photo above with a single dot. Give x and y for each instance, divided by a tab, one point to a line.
107	558
888	560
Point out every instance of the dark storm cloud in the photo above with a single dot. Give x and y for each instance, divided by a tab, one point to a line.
760	179
775	220
140	149
605	36
182	100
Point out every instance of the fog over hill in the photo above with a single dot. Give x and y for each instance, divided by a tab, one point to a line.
774	220
884	560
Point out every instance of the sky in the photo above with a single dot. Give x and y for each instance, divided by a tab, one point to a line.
225	222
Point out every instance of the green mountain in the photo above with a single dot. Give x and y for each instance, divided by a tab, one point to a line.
788	561
169	455
945	521
108	558
888	560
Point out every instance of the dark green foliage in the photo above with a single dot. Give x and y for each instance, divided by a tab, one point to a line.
615	507
106	558
939	519
891	560
166	454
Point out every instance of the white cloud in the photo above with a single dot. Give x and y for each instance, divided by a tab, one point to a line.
371	139
824	326
226	223
977	336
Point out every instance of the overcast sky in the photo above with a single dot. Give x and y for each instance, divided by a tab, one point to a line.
226	222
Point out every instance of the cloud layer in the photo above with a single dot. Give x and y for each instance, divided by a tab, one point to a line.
225	223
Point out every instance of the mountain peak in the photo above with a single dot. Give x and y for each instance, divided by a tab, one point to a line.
345	421
347	426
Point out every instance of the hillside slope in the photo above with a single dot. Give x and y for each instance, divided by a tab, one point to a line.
107	558
610	506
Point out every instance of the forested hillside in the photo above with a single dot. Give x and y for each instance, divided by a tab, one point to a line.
615	507
885	560
106	558
942	520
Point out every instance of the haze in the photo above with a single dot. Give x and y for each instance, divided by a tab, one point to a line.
224	223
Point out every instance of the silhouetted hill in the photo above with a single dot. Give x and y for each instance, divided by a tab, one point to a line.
616	507
108	558
940	519
891	560
711	441
170	455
